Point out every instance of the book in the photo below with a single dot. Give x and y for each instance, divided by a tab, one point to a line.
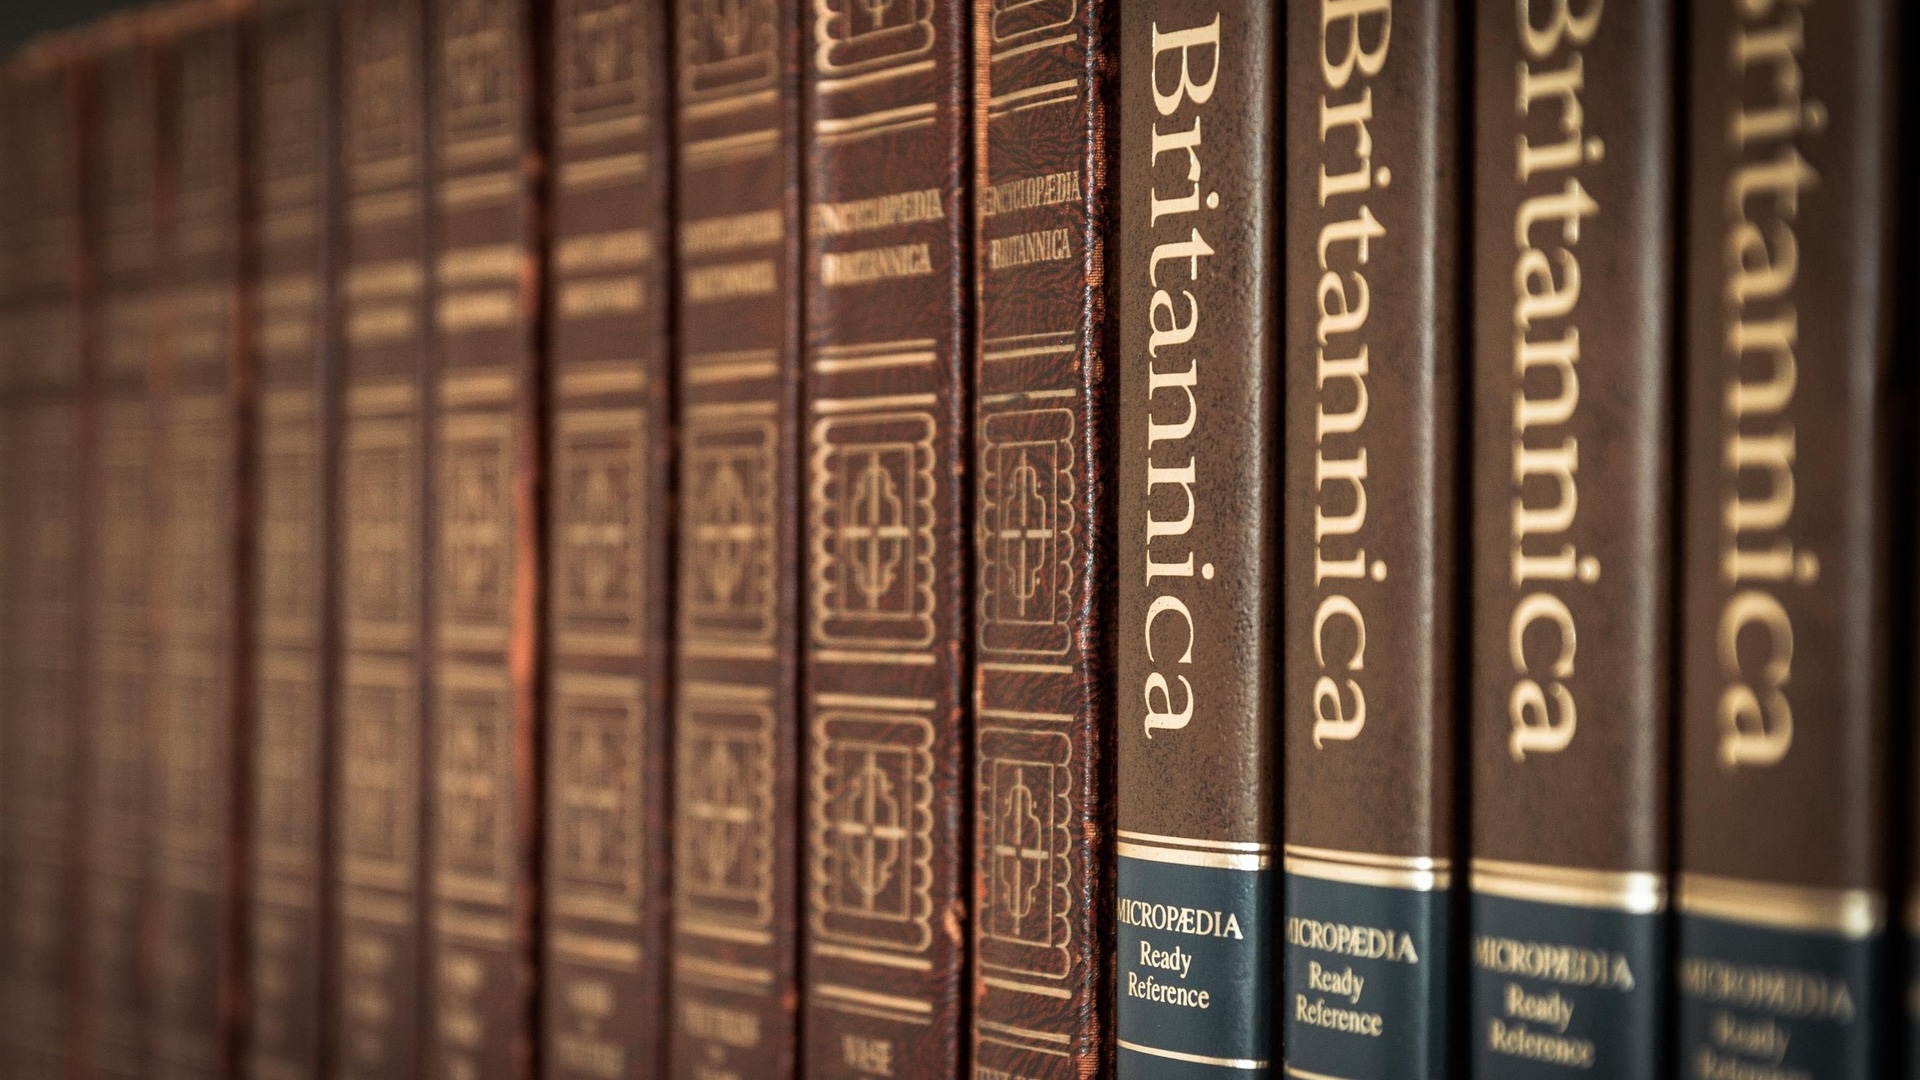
290	107
1370	608
485	174
886	113
203	406
607	869
1572	521
47	479
1785	639
1197	462
377	865
1043	371
123	672
734	1008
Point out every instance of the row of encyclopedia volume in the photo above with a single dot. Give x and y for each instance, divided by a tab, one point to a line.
1031	540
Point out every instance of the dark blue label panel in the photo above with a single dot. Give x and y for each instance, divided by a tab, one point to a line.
1366	980
1562	991
1196	957
1759	1002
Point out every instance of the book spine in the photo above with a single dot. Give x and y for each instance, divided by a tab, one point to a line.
123	675
290	103
200	827
42	839
1787	570
376	870
1370	608
1198	458
887	627
735	993
482	803
610	519
1043	380
1572	521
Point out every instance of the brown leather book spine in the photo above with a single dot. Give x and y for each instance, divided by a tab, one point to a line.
1196	465
42	845
610	519
290	105
200	817
484	271
1370	614
889	218
1572	292
379	300
734	997
1786	647
123	672
1041	507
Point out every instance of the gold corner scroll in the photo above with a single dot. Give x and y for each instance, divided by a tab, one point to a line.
1633	891
1848	913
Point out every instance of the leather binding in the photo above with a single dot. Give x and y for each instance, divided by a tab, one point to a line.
1373	355
376	869
1041	511
123	672
290	104
1572	524
1197	460
1785	643
484	275
886	624
41	841
736	650
604	947
203	407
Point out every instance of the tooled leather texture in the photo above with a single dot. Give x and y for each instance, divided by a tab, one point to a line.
734	998
484	542
1043	534
610	514
886	622
290	105
380	315
203	406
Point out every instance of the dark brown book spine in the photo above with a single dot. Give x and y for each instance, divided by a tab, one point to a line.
1785	642
122	674
735	998
604	945
1197	456
41	845
1572	523
1041	504
290	103
199	816
376	868
483	798
888	286
1374	353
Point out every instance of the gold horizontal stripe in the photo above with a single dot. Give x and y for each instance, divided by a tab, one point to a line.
861	656
1023	1033
1033	91
842	138
726	691
880	401
742	974
598	950
1303	1074
625	377
1638	892
725	650
730	104
873	701
611	169
1194	842
714	373
832	86
828	366
868	997
1030	669
1032	46
1197	1059
1217	860
872	956
705	153
877	118
1851	913
700	928
479	190
1416	873
868	348
1056	992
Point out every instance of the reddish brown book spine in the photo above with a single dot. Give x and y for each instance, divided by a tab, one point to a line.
122	675
1042	413
482	802
737	744
41	842
290	102
605	884
887	551
203	402
380	304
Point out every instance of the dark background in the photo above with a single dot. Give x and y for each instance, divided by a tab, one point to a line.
22	19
